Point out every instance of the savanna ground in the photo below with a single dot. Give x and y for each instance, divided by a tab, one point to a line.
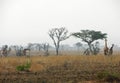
61	69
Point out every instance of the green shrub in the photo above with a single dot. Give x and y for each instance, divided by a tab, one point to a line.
102	75
20	68
106	76
24	67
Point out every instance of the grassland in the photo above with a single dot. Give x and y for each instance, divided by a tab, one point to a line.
61	69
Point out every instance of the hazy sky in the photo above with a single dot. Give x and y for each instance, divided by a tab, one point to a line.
24	21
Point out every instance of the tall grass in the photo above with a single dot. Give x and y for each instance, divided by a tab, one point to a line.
39	63
68	68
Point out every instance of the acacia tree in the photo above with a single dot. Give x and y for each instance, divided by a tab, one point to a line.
58	35
89	36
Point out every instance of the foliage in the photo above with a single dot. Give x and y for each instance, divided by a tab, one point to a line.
24	67
106	76
89	36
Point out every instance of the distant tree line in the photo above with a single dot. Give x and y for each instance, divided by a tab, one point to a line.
58	35
87	36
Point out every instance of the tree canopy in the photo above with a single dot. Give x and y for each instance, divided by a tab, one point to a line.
58	35
89	36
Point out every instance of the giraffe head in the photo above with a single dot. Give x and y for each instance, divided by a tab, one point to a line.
106	43
112	45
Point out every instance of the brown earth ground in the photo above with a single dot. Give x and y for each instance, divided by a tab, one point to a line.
61	69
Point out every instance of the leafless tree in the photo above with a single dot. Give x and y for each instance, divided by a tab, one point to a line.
30	45
38	46
19	51
45	47
58	35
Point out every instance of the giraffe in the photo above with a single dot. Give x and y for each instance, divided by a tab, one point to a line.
106	49
111	50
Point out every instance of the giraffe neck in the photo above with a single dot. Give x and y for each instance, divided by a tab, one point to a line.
112	46
105	43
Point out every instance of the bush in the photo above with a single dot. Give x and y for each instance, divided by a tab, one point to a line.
106	76
24	67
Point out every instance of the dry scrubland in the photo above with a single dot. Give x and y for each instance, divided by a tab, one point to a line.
61	69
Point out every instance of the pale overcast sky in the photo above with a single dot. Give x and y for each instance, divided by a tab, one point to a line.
24	21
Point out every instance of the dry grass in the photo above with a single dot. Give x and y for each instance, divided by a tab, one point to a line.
63	69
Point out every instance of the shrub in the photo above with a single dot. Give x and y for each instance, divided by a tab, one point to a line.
24	67
106	76
102	75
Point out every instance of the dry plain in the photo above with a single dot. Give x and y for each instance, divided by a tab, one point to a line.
61	69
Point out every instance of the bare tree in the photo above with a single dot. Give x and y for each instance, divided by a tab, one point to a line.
58	35
19	51
38	46
30	45
45	47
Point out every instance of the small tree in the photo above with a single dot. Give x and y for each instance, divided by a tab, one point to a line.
58	35
38	46
19	51
29	46
89	36
96	48
78	45
45	47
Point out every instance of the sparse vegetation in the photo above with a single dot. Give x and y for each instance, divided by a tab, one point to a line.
107	76
59	69
24	67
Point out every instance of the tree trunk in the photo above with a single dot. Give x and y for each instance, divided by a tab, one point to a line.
57	48
57	51
89	44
